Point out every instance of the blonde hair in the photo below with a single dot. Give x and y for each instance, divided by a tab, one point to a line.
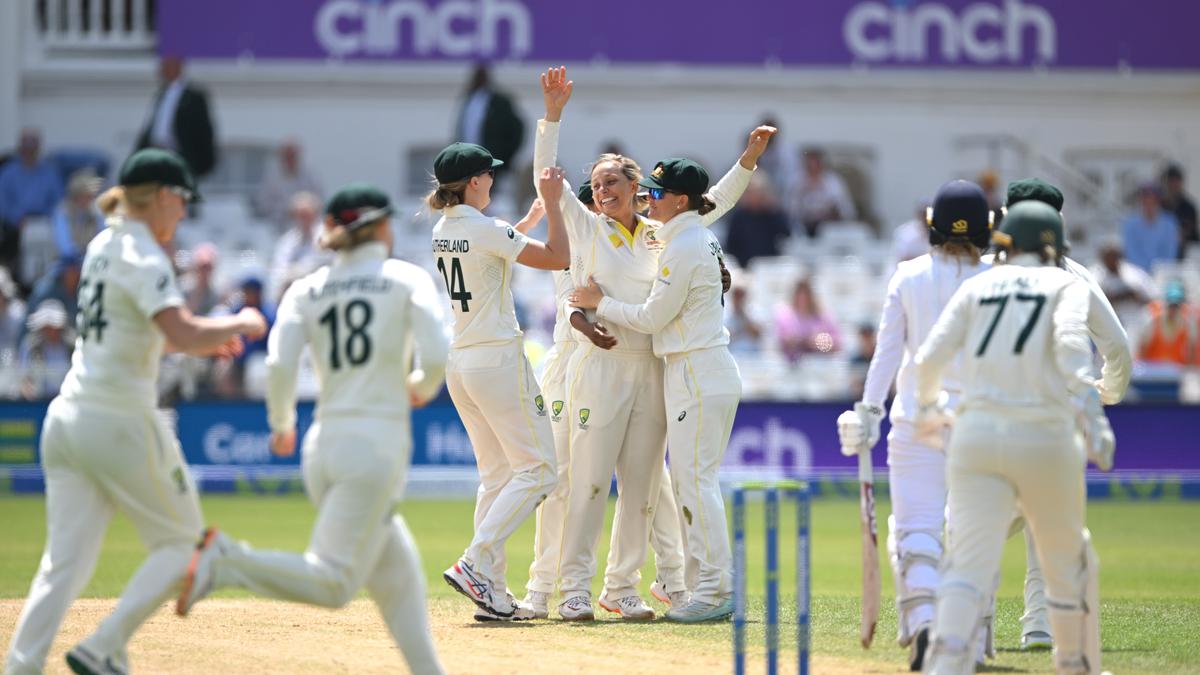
337	237
629	169
960	249
447	194
121	199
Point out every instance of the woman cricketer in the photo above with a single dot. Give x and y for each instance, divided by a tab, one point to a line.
362	318
103	449
701	385
488	376
614	396
1026	378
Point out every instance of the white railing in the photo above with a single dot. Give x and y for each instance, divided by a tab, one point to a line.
70	25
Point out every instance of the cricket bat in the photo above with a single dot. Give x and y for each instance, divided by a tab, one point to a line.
870	551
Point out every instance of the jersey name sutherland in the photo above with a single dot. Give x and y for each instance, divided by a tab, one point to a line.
474	255
125	281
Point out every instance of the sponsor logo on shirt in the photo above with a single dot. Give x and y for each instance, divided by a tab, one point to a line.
511	234
556	410
541	405
584	414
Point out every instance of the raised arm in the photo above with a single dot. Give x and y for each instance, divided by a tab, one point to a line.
555	253
729	189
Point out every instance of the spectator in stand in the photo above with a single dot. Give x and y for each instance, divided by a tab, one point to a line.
780	164
802	328
297	252
756	226
489	118
989	182
60	283
1170	335
45	351
911	238
1128	287
180	119
252	297
29	187
201	296
822	195
289	177
1150	234
12	313
861	361
1181	206
77	220
745	330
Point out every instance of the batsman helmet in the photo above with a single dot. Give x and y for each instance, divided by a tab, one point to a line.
1031	226
959	212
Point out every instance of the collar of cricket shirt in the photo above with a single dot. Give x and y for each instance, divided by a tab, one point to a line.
620	236
372	250
679	223
462	211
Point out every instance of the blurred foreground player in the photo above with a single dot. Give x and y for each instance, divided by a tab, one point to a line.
1026	365
362	317
103	448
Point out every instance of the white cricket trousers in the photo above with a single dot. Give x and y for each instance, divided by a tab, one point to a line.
702	391
99	459
995	463
547	542
497	398
617	423
354	469
917	487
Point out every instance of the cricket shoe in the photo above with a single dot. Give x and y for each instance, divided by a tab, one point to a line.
539	603
671	600
917	649
521	612
630	607
463	578
577	608
82	661
697	611
1036	641
200	576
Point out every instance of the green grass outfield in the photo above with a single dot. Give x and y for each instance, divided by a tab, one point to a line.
1150	580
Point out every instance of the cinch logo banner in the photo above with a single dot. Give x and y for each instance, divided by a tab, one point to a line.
832	34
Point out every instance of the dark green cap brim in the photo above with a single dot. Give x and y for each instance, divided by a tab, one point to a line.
155	165
357	205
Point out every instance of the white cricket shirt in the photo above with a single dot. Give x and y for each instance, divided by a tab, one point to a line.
362	317
474	254
685	311
625	265
1021	330
917	293
125	281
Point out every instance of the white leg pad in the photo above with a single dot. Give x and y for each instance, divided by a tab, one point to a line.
916	556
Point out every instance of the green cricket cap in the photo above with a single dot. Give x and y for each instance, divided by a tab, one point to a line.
1031	225
358	204
462	160
585	194
1034	189
679	175
155	165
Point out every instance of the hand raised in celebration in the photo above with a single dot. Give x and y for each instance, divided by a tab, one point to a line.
550	184
757	145
556	91
586	297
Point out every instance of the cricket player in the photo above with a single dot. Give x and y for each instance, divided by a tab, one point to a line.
1112	343
960	228
615	396
363	317
488	376
1025	365
702	386
103	448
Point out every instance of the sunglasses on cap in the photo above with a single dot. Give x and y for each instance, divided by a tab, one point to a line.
183	192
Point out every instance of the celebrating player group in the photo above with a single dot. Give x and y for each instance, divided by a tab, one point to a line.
995	413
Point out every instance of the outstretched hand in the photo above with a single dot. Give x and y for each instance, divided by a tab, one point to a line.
586	297
757	145
556	91
550	184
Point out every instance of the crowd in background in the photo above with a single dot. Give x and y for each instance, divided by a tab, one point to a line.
47	216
